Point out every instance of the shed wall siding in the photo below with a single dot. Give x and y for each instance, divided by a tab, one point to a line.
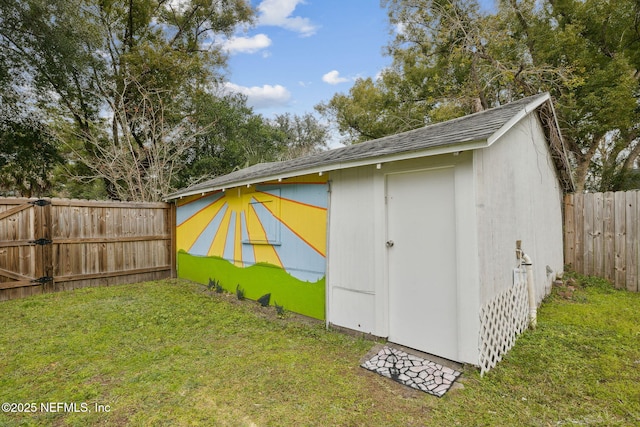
518	198
353	240
357	268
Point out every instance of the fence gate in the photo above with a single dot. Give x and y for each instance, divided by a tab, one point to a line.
25	244
55	244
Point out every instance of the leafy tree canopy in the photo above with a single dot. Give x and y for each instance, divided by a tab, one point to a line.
28	156
117	80
451	59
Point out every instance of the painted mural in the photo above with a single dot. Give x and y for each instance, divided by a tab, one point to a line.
268	238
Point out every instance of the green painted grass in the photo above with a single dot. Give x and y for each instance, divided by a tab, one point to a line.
170	353
257	280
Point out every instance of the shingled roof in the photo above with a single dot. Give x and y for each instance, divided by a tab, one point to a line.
469	132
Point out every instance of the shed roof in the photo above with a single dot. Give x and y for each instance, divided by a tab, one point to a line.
469	132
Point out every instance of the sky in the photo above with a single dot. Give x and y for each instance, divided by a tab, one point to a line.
302	52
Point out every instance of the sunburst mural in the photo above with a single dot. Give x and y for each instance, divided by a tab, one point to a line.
279	224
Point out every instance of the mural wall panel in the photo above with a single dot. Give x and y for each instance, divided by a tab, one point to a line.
267	232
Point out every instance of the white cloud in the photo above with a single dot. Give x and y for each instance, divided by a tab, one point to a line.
333	78
278	13
178	6
247	44
262	96
401	28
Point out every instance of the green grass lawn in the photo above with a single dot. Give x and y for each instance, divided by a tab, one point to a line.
171	353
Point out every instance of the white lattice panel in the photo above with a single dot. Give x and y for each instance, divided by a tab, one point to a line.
501	321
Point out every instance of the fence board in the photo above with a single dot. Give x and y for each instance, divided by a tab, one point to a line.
578	262
631	250
94	243
634	286
609	236
598	234
588	233
569	229
620	238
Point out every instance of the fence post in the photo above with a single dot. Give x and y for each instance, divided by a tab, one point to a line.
589	235
609	236
598	234
47	250
620	243
631	251
578	203
569	231
172	246
44	248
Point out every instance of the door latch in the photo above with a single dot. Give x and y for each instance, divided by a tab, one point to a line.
41	241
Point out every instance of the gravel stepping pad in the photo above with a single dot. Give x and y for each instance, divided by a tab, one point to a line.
412	371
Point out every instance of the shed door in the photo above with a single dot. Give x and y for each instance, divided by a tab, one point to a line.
421	236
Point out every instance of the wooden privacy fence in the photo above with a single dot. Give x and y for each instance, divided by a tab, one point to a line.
601	236
48	245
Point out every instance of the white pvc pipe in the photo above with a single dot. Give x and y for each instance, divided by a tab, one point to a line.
531	289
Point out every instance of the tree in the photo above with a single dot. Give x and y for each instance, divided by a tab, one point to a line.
28	156
119	79
134	170
450	59
600	117
237	137
442	68
233	137
374	109
303	135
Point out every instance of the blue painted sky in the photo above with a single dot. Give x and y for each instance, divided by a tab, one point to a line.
301	52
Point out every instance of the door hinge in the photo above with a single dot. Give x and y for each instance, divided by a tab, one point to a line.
43	280
41	241
40	202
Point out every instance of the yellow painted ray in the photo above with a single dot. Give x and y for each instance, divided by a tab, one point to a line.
307	222
188	232
233	200
220	239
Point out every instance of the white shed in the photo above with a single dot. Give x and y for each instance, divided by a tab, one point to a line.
421	227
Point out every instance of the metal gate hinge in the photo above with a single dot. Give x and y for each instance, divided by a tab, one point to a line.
41	241
40	202
43	279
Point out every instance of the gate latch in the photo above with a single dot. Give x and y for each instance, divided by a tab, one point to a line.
41	241
40	202
43	280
